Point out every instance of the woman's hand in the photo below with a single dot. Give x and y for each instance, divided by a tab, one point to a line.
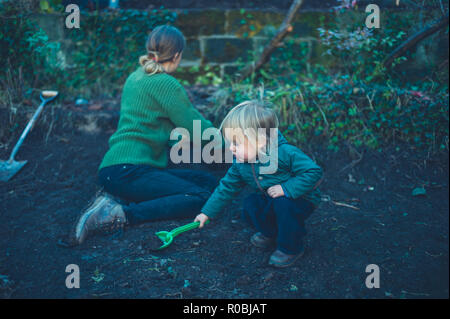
202	218
275	191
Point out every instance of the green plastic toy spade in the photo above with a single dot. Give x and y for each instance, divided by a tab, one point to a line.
168	236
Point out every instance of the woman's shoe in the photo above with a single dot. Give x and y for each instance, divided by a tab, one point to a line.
103	215
261	241
280	260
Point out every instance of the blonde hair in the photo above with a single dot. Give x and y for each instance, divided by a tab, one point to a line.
163	43
249	117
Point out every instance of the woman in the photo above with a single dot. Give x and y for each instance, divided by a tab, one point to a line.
139	186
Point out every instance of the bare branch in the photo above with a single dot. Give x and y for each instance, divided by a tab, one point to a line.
283	30
416	38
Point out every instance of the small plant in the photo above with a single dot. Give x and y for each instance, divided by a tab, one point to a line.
209	78
98	276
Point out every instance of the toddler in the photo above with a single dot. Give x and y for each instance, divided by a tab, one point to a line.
284	197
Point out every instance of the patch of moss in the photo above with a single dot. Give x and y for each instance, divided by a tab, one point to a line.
246	24
305	24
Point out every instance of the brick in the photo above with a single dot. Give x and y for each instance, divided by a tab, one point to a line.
192	50
252	23
222	50
205	22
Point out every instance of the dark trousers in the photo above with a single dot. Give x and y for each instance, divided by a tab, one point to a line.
281	218
148	193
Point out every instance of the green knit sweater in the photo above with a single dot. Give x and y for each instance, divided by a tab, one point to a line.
151	106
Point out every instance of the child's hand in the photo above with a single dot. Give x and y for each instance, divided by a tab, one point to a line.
202	218
275	191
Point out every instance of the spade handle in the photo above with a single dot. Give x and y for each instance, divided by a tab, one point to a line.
182	229
26	131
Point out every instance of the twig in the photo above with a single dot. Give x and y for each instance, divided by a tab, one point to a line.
175	294
51	125
321	111
415	293
354	162
439	255
102	294
345	205
370	101
414	39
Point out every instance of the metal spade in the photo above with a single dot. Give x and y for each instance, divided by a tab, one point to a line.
10	167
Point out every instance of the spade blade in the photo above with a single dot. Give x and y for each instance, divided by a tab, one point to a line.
9	169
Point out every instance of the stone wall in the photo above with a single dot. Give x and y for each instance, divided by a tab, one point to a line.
215	38
221	39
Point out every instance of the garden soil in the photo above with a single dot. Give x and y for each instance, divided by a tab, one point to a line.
368	216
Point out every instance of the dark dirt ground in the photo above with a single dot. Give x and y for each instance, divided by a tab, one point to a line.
405	235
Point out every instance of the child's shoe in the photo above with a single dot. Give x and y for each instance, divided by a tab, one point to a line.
279	259
261	241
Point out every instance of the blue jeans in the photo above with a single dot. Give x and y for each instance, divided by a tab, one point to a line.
281	218
148	193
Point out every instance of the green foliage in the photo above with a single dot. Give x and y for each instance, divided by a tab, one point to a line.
206	75
351	97
332	109
328	91
104	50
25	50
360	53
108	46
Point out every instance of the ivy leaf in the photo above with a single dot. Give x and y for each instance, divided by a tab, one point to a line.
98	276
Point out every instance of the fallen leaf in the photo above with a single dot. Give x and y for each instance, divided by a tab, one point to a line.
98	277
388	294
351	179
293	288
63	139
95	107
419	191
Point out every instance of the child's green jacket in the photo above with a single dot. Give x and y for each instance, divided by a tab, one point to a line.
297	174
